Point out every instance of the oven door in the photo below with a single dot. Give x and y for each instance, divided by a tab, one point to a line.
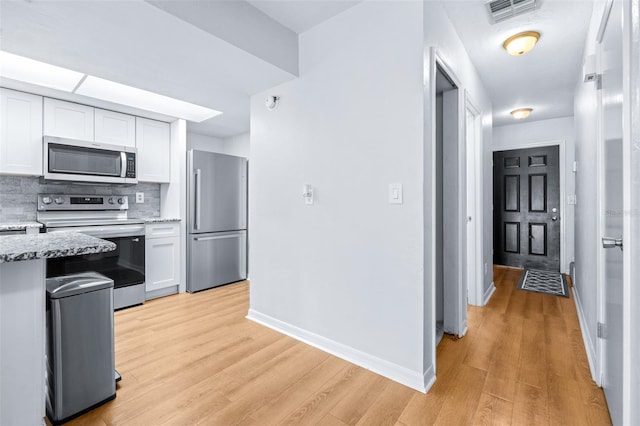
125	265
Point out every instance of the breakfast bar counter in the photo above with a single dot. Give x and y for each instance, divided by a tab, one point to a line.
22	317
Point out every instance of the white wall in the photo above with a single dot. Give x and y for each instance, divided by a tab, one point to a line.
345	274
440	33
235	145
557	129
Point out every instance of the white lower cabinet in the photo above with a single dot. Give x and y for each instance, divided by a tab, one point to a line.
162	251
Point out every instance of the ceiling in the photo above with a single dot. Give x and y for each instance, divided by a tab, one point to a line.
192	50
543	79
301	15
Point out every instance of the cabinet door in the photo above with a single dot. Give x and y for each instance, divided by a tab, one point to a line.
20	133
68	120
115	128
162	263
153	140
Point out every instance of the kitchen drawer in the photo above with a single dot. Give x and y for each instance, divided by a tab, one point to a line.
163	229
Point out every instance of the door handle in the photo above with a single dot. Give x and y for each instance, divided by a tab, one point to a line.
554	218
196	201
608	242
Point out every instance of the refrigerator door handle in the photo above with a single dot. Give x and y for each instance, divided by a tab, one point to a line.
221	237
196	201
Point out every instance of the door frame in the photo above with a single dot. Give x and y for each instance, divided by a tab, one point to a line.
474	205
561	144
436	60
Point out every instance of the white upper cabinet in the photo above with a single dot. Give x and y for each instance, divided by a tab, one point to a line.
115	128
68	120
20	133
153	140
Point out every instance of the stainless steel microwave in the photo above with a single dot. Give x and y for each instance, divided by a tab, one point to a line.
89	162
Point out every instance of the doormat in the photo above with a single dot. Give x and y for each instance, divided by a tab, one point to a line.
545	282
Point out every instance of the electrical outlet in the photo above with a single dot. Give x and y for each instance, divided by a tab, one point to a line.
139	197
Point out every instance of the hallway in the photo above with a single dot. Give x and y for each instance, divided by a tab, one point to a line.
522	362
195	359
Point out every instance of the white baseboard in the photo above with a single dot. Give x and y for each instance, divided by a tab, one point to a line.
488	293
586	338
413	379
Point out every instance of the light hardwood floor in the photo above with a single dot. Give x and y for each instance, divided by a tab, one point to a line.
195	359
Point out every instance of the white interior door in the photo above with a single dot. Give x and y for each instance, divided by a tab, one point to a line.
612	119
632	251
472	220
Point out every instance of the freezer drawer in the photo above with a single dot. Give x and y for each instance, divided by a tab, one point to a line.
216	259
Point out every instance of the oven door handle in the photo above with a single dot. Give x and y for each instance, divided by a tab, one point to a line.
105	231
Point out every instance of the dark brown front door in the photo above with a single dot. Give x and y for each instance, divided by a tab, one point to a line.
526	208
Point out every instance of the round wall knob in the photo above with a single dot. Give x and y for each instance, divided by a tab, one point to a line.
47	200
59	200
110	200
120	200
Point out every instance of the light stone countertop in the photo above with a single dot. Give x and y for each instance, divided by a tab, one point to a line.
160	219
14	248
19	226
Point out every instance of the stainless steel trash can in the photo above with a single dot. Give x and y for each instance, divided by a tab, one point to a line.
80	348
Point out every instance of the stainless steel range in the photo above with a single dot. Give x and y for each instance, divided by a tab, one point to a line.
102	216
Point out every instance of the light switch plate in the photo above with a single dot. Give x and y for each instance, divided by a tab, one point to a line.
395	193
139	197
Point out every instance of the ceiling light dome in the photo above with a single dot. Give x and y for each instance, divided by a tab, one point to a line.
521	113
521	43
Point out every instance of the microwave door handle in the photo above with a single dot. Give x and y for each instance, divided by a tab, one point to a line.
123	164
196	201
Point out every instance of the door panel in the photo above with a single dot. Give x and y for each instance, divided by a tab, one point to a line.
219	192
512	193
512	237
216	259
526	192
538	238
611	54
538	193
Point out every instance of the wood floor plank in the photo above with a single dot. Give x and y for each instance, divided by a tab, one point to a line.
530	406
492	411
195	359
505	363
469	383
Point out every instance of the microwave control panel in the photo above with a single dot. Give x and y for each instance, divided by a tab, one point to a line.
131	165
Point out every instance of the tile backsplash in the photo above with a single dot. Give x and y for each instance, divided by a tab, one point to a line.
18	196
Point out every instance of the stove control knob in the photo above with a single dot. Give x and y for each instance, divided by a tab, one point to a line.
111	200
59	200
120	200
47	200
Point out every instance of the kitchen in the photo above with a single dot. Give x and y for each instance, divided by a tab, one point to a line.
71	167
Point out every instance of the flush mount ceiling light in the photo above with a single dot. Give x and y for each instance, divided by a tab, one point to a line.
39	73
521	113
521	43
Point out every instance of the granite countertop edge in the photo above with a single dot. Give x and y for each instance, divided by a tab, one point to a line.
19	226
15	248
160	219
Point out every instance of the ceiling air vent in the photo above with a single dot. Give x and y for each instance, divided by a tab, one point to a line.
505	9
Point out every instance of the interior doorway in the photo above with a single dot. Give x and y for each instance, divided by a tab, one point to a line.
450	200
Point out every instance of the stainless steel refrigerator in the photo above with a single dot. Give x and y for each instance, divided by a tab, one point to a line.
217	224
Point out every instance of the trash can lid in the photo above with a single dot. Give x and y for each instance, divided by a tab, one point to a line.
70	285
